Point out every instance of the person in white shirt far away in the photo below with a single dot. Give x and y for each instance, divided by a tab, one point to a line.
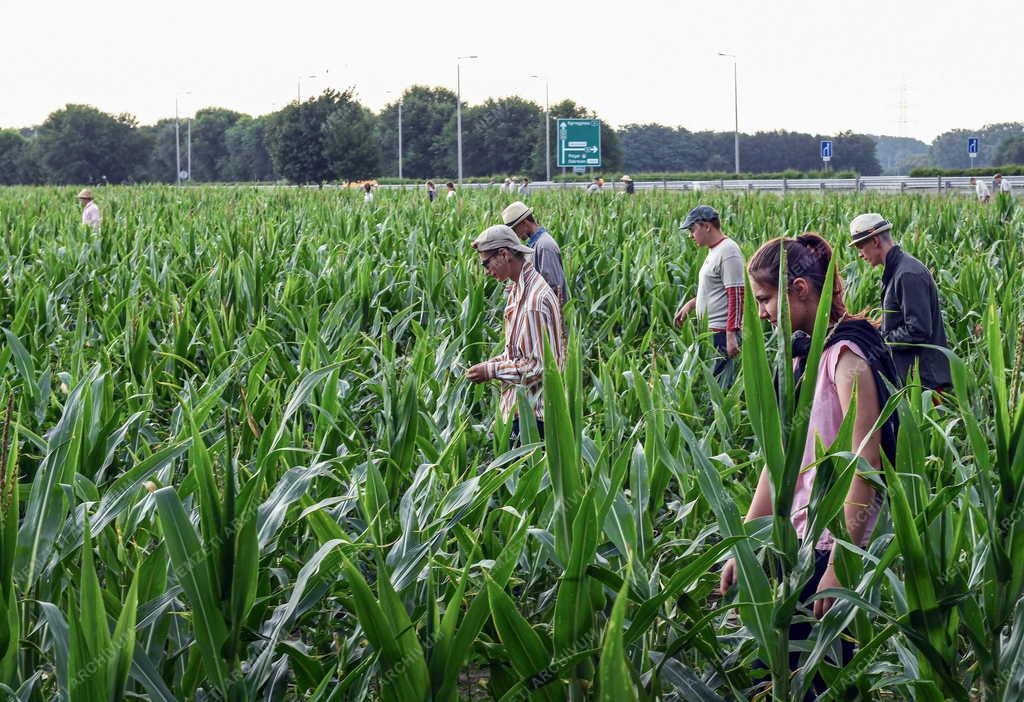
984	194
90	211
451	191
1002	184
367	192
524	189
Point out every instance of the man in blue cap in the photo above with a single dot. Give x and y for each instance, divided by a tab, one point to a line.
719	298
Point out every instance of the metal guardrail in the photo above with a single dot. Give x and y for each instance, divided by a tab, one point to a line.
886	184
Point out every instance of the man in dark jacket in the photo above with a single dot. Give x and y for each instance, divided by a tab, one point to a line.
910	302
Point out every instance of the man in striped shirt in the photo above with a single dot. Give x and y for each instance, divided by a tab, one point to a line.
532	313
719	299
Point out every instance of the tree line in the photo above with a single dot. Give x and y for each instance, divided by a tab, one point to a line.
333	136
1000	144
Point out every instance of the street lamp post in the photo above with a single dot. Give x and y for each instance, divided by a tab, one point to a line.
188	158
736	109
388	92
177	145
177	141
547	125
458	109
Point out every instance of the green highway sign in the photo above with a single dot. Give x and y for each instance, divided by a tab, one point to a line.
579	142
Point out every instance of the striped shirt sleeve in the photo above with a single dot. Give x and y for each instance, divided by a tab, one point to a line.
529	367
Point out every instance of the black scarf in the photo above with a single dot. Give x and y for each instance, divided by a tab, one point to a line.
879	359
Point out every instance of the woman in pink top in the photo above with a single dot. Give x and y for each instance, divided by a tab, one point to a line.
854	355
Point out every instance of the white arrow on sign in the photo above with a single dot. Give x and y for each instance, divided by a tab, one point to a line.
591	149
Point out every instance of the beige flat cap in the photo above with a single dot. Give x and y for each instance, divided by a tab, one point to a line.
499	237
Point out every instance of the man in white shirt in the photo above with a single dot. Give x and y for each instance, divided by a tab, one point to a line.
1003	185
719	299
984	194
90	212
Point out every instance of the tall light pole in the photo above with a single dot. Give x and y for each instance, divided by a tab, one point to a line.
399	134
177	140
298	87
547	125
188	158
736	108
458	109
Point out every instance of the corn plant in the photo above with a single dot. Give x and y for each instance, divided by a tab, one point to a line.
244	411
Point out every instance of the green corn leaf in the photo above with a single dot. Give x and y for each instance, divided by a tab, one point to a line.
573	606
46	507
563	463
376	621
526	650
615	682
189	562
123	644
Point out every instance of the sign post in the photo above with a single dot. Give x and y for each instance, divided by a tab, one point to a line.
826	151
579	143
972	148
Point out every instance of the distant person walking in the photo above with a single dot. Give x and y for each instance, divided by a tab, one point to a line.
1003	186
506	187
524	189
90	210
367	192
629	184
431	191
910	302
546	256
532	313
981	188
451	191
595	186
719	298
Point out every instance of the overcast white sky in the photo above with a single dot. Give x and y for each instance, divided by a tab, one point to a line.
815	66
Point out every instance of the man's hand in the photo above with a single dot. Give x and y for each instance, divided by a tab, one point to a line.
728	577
684	312
828	581
477	374
732	344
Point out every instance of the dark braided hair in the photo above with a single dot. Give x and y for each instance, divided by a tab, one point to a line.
808	256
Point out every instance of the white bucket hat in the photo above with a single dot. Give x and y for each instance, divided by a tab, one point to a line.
867	225
515	213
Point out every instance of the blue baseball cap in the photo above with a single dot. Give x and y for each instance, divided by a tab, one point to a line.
700	213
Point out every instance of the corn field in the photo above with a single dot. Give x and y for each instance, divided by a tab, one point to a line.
241	461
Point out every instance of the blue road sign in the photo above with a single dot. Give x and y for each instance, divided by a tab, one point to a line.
972	145
826	150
